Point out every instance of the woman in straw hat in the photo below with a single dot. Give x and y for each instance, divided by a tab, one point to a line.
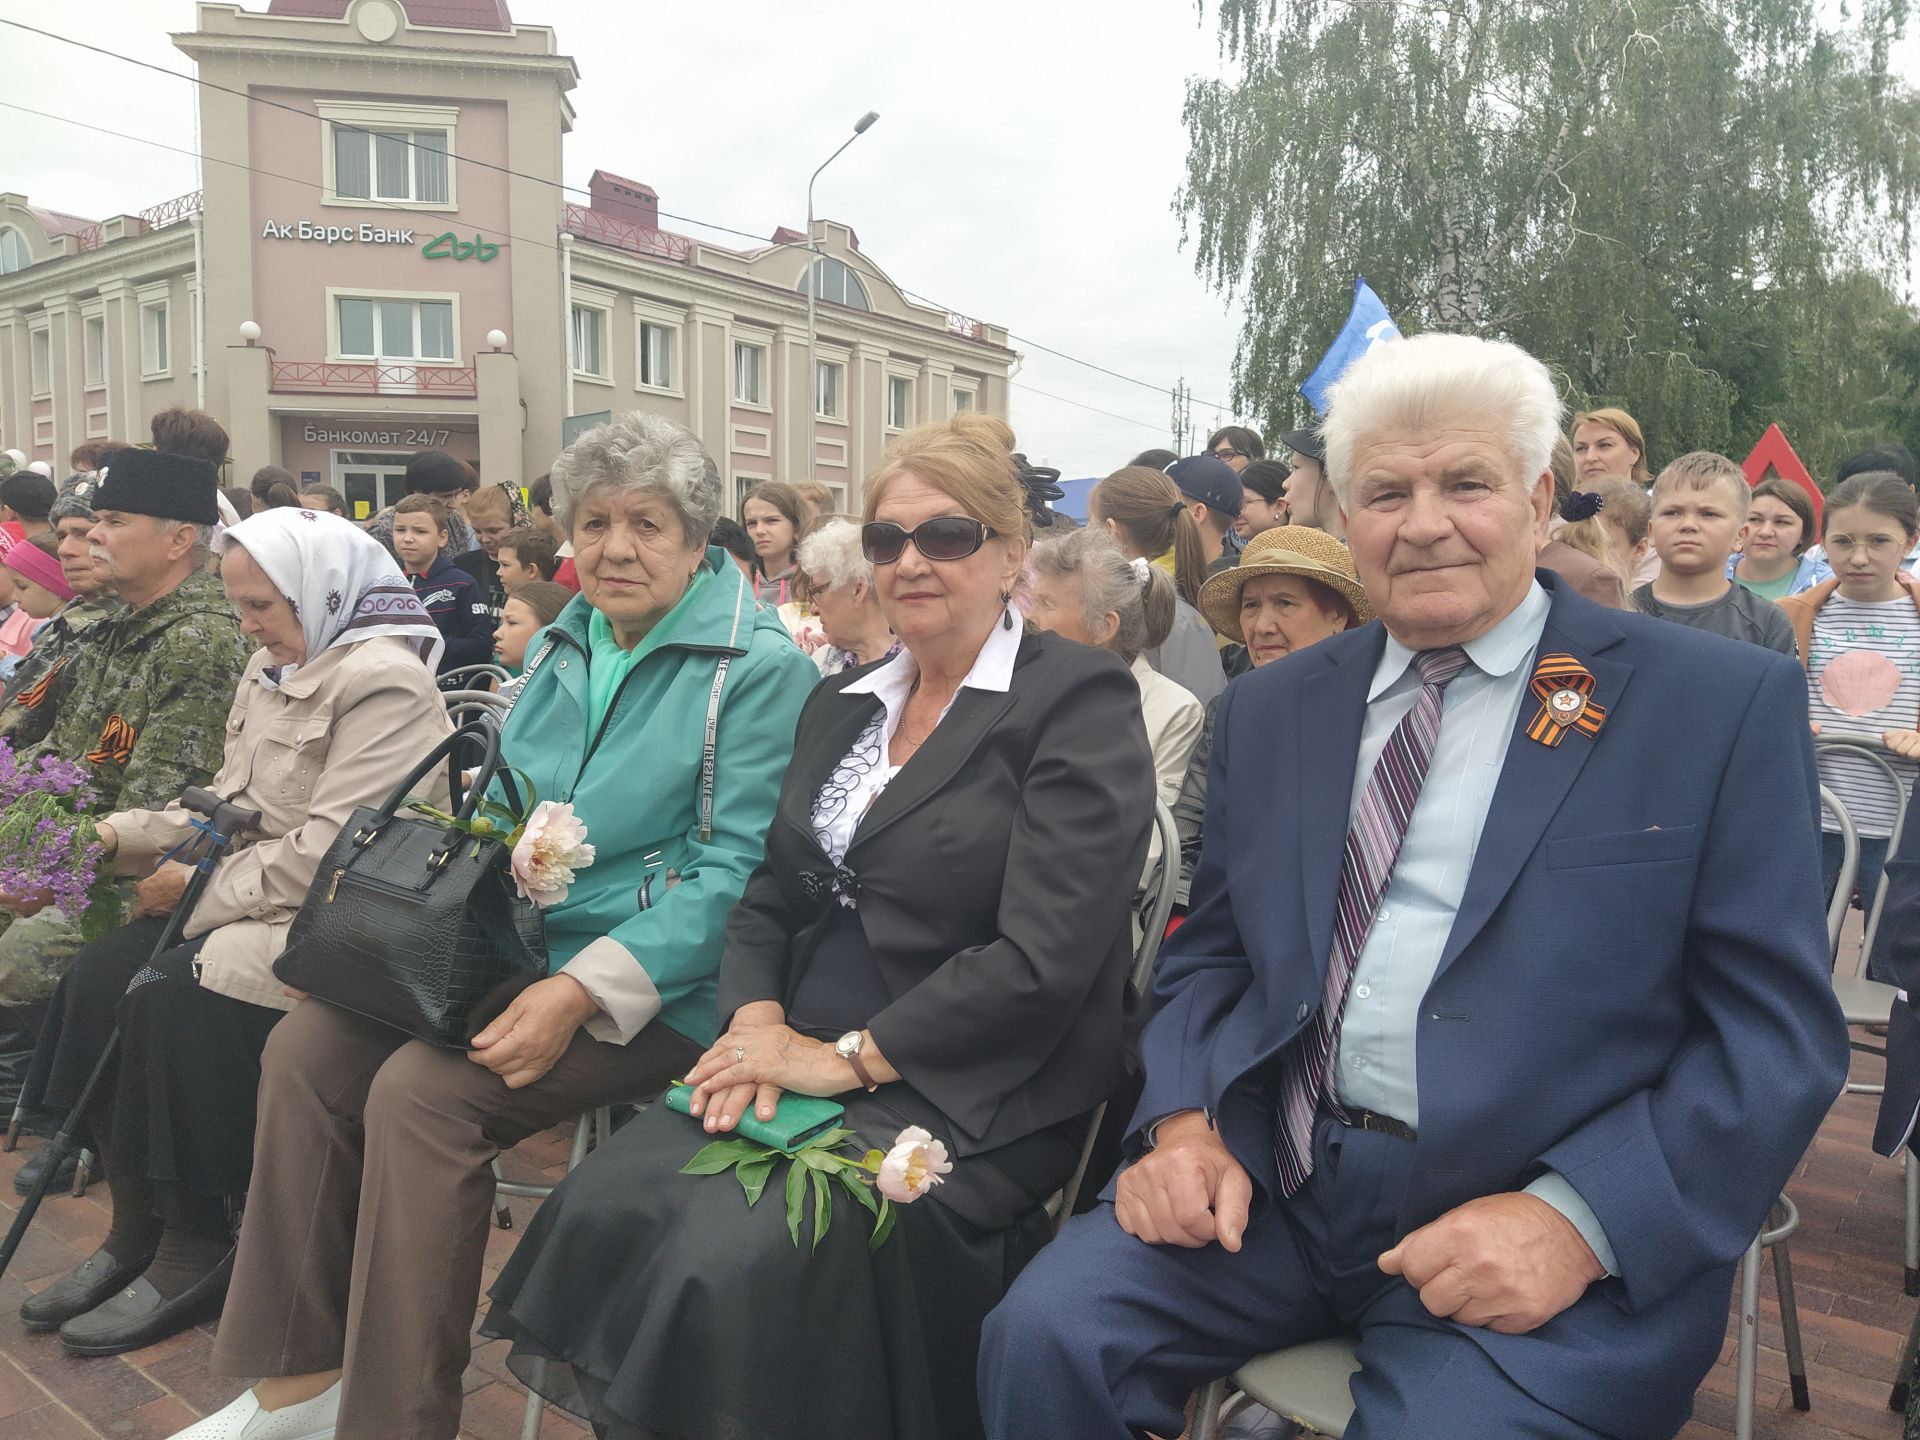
1293	587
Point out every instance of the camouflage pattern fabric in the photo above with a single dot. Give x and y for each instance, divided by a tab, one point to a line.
146	707
45	674
34	954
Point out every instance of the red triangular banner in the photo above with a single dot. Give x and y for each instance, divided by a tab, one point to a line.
1773	453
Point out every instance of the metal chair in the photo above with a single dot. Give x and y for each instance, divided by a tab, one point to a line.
465	705
467	674
1155	909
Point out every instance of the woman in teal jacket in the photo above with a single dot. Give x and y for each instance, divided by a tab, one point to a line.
661	705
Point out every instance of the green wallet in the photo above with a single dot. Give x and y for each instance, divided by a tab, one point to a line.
796	1119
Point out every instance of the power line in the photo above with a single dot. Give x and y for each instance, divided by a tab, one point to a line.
1128	419
541	180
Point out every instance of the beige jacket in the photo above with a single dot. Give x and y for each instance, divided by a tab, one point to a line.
337	735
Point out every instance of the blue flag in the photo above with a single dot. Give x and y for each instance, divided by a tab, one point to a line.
1368	325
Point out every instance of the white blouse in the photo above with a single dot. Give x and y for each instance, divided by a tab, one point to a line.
856	782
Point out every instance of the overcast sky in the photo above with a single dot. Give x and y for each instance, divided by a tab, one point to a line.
1021	172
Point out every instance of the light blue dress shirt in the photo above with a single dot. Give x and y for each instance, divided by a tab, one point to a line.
1376	1069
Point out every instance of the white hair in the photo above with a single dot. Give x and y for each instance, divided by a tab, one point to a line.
1435	379
831	555
637	451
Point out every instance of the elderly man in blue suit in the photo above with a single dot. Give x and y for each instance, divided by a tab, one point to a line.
1503	1011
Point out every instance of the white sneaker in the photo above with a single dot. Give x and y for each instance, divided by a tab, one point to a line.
245	1420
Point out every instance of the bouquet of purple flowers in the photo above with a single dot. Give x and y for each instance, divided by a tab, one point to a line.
49	844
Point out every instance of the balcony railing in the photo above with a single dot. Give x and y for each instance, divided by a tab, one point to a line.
307	377
624	235
170	212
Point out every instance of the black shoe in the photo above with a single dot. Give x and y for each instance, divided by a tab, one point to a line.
29	1173
140	1315
99	1275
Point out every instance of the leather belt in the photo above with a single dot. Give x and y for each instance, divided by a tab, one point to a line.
1379	1124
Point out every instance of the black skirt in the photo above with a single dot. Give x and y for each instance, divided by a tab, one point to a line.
83	1014
668	1310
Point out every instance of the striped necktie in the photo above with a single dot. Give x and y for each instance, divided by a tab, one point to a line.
1373	844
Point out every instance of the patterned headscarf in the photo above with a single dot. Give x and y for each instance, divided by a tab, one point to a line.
342	584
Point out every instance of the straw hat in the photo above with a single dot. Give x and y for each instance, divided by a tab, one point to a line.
1283	550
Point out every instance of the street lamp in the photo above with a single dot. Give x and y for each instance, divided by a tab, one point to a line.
860	127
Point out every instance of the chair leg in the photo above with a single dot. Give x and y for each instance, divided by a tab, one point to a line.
502	1216
1913	1221
1903	1377
1790	1326
536	1404
82	1173
1749	1342
1206	1411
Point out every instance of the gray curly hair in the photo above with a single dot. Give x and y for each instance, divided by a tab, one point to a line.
831	555
638	451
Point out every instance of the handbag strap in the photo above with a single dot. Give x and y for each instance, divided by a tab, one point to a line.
487	733
708	749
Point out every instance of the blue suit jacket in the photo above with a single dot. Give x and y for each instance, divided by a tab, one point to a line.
1635	992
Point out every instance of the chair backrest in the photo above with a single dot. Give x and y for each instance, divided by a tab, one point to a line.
467	675
1161	889
1871	749
1849	868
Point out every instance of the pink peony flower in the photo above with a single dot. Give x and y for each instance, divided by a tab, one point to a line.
551	848
913	1166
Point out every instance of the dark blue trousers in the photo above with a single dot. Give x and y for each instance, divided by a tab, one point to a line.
1103	1336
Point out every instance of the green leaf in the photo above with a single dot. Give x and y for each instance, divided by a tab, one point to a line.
861	1191
721	1154
753	1176
884	1228
796	1200
819	1160
822	1207
825	1140
441	815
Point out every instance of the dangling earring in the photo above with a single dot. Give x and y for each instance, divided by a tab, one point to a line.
1006	615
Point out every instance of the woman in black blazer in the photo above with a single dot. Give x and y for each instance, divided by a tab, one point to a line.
938	937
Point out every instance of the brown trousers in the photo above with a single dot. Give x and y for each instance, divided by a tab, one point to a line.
366	1225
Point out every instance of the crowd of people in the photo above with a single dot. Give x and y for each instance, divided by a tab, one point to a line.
1488	1026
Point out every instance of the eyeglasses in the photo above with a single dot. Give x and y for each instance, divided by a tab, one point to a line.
1227	452
945	537
1880	546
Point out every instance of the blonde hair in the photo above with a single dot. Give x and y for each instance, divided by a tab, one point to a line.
1702	470
816	497
490	500
969	458
1623	425
1149	511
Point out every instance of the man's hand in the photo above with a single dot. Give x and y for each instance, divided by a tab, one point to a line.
1507	1262
1188	1190
534	1031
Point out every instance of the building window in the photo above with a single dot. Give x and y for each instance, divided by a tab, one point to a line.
156	339
899	402
962	400
749	373
381	164
40	361
590	341
13	251
838	283
93	343
655	365
829	390
378	328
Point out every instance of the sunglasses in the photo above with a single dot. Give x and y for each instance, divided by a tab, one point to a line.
945	537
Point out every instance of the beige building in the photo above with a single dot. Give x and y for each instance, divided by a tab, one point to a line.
382	260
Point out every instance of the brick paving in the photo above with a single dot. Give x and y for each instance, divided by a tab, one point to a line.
1846	1258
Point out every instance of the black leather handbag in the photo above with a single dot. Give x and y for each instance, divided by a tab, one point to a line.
414	922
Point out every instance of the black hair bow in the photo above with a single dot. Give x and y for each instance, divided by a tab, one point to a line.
1581	505
1042	484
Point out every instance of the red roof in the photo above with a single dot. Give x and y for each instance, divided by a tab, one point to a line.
452	14
58	222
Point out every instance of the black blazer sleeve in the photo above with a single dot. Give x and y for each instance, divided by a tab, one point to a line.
983	1023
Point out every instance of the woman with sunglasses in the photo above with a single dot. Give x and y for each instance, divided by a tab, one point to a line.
935	940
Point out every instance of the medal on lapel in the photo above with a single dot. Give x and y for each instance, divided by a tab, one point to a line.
1564	688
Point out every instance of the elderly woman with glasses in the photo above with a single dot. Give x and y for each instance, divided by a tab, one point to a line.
841	591
661	704
933	941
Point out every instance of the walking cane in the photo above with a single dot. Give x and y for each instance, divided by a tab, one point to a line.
224	823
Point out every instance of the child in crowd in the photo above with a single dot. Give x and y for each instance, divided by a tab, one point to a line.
490	516
1859	637
1615	533
525	556
541	517
528	611
40	585
452	596
1699	509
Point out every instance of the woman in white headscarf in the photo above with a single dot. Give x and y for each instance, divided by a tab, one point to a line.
337	703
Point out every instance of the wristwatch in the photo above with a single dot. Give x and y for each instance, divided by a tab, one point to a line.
847	1047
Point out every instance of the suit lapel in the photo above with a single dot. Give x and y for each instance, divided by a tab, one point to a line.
847	715
1332	713
953	740
1536	778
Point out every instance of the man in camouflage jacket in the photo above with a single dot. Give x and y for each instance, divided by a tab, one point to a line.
151	687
